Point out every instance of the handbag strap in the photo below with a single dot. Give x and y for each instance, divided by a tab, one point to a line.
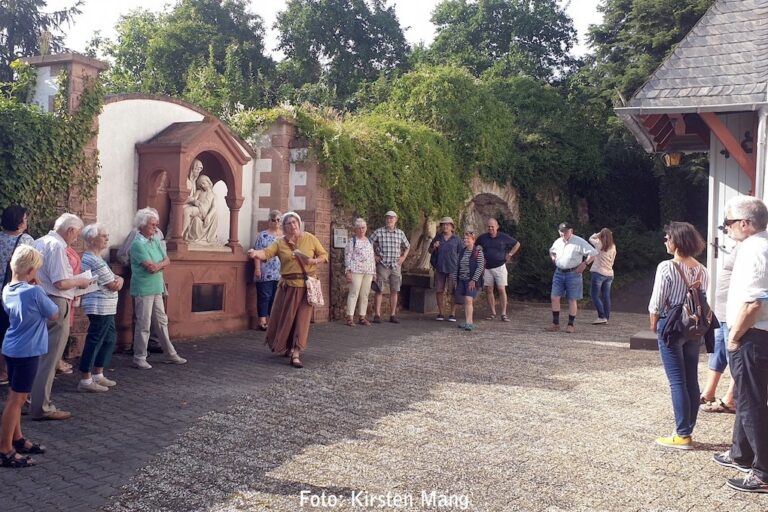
8	273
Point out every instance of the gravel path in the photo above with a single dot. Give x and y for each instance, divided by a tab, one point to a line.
505	418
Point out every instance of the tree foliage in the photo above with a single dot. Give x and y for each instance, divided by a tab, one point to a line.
160	53
340	43
506	37
23	24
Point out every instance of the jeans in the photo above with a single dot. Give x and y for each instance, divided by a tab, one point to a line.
99	343
749	368
601	294
266	296
718	360
568	284
681	361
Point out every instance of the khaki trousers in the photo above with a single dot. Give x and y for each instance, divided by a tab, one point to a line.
150	315
58	334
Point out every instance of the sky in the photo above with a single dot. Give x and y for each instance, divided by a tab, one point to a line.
413	14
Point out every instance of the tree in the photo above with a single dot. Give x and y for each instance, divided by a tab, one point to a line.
530	37
636	36
341	43
158	53
22	26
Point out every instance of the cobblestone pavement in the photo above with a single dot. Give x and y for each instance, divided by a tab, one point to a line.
416	416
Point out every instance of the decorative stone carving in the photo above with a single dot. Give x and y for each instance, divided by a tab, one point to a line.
201	221
194	174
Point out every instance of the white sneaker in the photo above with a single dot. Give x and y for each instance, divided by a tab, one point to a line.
175	359
141	365
600	321
103	381
91	388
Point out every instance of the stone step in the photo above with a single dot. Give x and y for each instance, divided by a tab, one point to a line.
643	340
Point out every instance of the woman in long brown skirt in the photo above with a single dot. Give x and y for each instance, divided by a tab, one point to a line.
288	329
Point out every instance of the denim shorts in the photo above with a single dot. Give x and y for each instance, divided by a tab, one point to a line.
568	284
718	360
21	372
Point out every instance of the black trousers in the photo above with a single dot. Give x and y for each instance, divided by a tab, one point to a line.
749	368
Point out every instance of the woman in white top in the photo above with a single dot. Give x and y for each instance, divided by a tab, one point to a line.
681	357
602	273
360	267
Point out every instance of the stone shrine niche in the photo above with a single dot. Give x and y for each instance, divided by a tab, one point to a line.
188	209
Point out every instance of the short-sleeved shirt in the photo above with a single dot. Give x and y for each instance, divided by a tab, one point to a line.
56	266
495	248
103	301
389	245
307	244
447	253
570	254
7	245
270	269
143	282
749	279
28	309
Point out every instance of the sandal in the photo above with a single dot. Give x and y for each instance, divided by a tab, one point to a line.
350	321
296	362
717	406
504	318
11	460
364	321
20	445
492	316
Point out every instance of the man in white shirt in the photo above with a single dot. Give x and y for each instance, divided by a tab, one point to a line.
55	276
570	254
747	318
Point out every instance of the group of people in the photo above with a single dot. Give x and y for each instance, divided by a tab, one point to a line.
44	280
740	341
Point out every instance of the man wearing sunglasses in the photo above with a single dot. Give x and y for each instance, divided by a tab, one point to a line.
747	318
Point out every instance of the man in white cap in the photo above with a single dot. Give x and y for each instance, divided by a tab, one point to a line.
445	260
391	246
570	254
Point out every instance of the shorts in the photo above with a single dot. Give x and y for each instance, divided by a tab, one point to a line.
21	372
444	282
389	279
462	290
496	275
568	284
718	360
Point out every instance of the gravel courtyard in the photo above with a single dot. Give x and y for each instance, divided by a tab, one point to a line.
428	417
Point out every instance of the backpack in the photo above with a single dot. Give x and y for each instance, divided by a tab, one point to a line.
696	316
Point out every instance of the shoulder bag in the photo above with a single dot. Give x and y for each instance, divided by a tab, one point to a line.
314	288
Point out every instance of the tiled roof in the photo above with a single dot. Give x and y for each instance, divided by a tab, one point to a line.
722	61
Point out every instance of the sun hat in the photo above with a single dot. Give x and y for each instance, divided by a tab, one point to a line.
390	213
447	220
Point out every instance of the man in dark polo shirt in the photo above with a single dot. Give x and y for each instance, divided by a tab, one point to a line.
498	249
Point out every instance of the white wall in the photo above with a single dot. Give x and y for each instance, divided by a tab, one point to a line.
726	180
45	88
122	125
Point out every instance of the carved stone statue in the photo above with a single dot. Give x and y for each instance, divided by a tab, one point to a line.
194	173
201	220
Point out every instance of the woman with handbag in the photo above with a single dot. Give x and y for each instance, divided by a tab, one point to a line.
299	253
14	223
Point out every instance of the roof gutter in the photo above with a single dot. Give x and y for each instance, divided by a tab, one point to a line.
693	109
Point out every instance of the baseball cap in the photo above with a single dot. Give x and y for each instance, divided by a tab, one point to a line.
564	226
390	213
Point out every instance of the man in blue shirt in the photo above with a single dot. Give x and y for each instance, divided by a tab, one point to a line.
498	249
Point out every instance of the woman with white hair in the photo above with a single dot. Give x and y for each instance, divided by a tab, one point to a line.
360	267
300	253
101	308
148	259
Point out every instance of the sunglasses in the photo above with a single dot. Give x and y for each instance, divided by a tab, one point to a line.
728	222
